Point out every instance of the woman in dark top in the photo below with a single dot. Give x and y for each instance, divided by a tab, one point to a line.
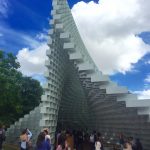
138	144
41	143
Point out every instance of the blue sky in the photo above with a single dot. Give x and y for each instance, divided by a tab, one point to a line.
24	26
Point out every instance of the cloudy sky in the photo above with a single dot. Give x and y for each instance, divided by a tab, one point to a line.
115	32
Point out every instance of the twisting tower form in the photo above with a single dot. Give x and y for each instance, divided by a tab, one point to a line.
77	94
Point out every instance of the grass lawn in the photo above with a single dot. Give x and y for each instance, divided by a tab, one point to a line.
10	147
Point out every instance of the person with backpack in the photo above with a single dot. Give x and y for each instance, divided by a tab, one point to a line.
2	136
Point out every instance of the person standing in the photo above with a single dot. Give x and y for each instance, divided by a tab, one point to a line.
47	135
69	140
138	144
127	146
92	140
98	144
121	140
41	143
25	139
2	136
61	142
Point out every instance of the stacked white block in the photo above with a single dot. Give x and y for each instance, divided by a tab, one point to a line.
30	121
55	73
111	106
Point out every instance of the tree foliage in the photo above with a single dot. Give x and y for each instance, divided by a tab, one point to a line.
18	94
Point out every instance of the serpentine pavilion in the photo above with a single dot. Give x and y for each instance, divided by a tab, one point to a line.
77	94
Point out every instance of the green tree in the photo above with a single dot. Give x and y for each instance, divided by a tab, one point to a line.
10	104
31	92
18	94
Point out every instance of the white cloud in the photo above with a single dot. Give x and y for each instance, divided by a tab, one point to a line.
3	8
32	58
147	79
109	30
145	94
33	52
32	55
32	61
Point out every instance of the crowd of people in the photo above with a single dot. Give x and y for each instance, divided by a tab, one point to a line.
82	140
72	140
129	143
43	140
